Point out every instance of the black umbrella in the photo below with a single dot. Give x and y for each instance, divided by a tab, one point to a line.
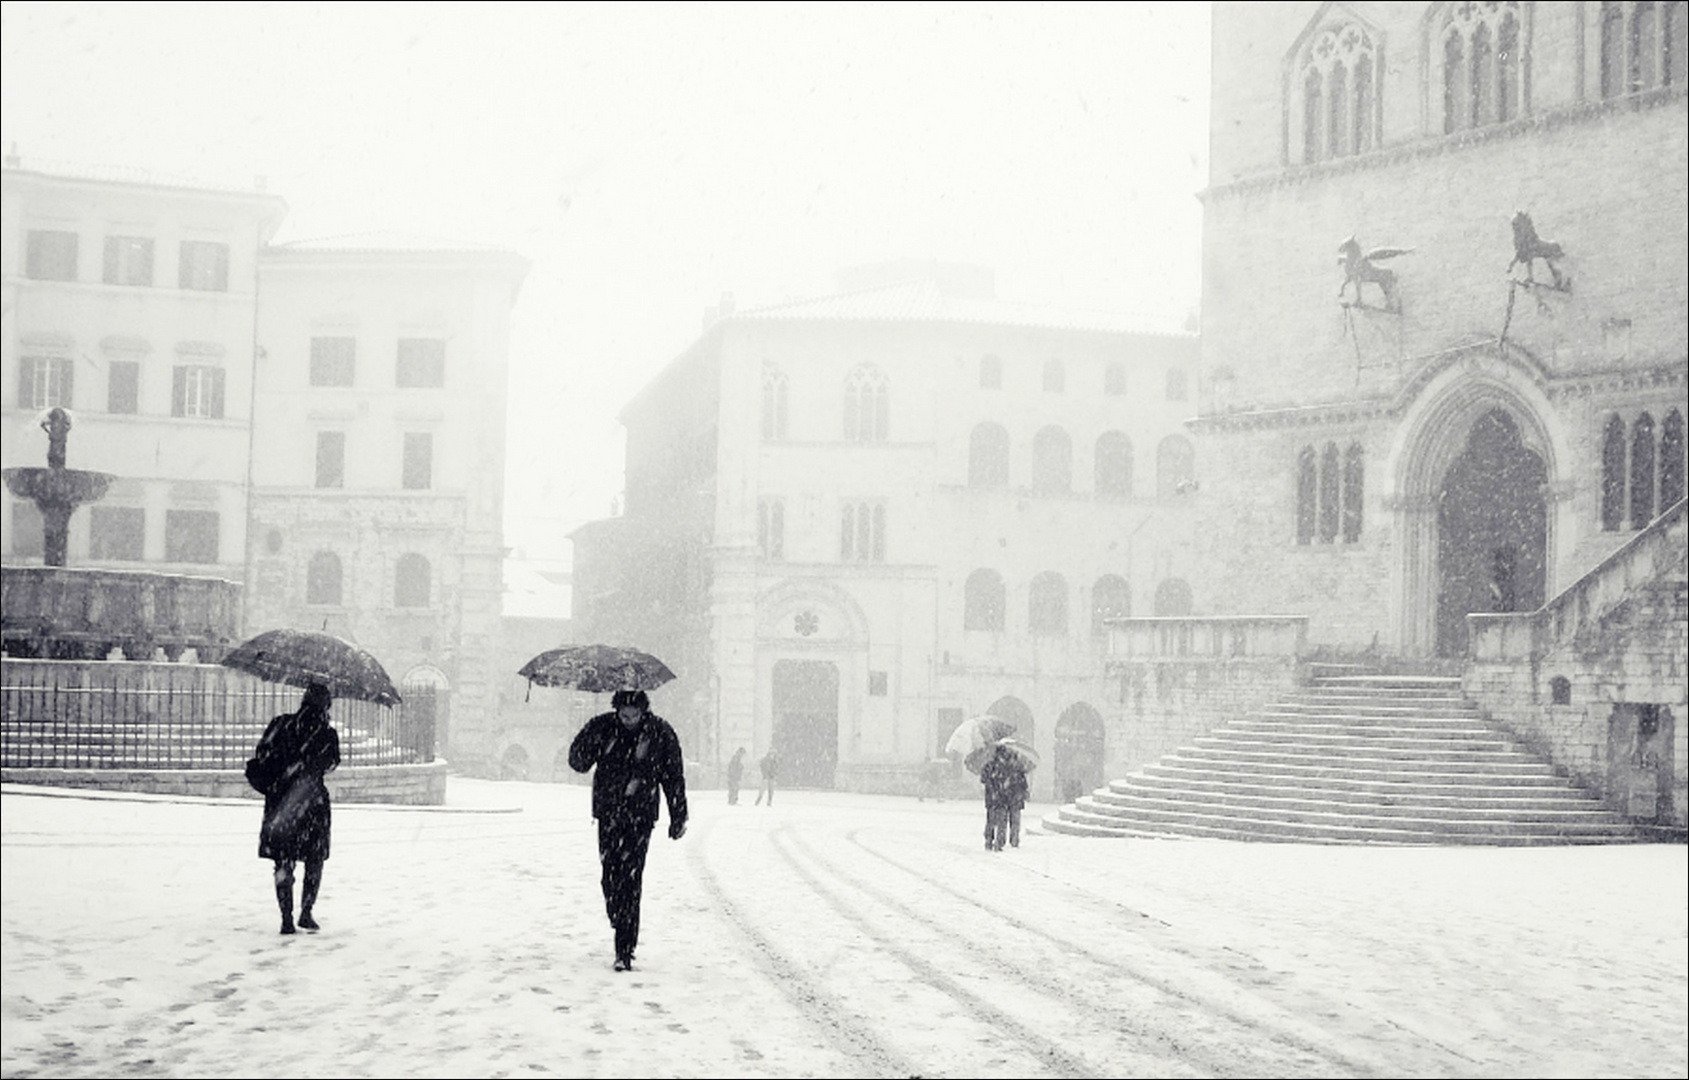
303	657
597	669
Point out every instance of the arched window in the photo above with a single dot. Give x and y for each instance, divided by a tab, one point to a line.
1613	475
1175	466
1559	690
773	404
1339	108
1173	598
1047	605
1114	465
988	456
867	405
1642	472
1671	460
1642	46
1307	495
1483	58
990	373
1330	485
322	579
1111	598
1114	380
1055	376
983	601
412	581
1052	460
862	532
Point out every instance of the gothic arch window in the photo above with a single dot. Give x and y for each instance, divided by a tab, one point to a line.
1336	78
322	579
1052	460
1047	605
1330	493
862	532
1111	598
771	528
1114	465
1642	46
867	405
773	404
990	373
1055	376
1484	65
983	601
1173	598
988	456
1642	469
1175	466
412	581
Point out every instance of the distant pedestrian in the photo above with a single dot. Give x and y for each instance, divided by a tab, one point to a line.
295	752
632	751
1005	796
735	773
769	766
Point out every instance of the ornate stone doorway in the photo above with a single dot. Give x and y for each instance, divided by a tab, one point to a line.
1492	530
806	722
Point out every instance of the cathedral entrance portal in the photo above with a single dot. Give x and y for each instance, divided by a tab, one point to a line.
806	722
1492	530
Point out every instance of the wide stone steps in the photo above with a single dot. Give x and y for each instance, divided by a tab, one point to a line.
1352	759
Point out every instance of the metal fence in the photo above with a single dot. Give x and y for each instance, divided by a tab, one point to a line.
136	715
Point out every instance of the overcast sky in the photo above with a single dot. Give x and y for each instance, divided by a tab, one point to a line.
649	158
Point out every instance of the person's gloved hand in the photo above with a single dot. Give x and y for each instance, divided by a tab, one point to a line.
677	829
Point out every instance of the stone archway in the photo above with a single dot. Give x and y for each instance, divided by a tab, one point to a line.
1492	530
1016	712
1079	752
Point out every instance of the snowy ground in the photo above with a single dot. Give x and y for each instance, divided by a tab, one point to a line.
832	935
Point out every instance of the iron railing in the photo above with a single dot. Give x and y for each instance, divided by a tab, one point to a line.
133	715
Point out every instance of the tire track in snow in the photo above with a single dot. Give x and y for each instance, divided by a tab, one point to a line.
842	1025
1051	1054
1223	1065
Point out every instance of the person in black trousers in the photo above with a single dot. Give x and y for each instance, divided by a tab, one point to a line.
288	766
633	752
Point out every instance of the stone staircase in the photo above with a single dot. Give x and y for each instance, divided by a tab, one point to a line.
1374	759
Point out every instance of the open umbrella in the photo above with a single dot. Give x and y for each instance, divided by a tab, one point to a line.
1027	756
975	734
597	669
303	657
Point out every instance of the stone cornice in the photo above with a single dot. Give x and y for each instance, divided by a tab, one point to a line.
1433	146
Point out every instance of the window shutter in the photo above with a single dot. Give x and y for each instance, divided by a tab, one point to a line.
26	383
178	391
113	261
217	379
67	382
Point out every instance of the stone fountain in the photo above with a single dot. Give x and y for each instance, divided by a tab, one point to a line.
56	490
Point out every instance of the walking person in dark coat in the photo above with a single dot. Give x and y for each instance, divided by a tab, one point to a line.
634	751
1005	796
735	773
293	755
768	766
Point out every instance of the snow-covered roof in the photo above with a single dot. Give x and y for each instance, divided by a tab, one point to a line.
388	241
129	174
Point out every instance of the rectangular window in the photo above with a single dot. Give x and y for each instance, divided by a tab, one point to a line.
204	266
877	683
45	381
28	540
190	536
197	391
123	387
117	532
51	255
422	362
1176	385
419	460
331	459
333	361
771	528
128	260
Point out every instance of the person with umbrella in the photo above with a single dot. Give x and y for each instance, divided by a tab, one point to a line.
297	749
1004	777
633	752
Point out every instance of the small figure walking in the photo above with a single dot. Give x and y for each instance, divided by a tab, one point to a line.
294	754
1005	796
769	765
635	751
735	773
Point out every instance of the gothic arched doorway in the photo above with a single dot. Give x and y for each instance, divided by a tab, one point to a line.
1492	530
1079	752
